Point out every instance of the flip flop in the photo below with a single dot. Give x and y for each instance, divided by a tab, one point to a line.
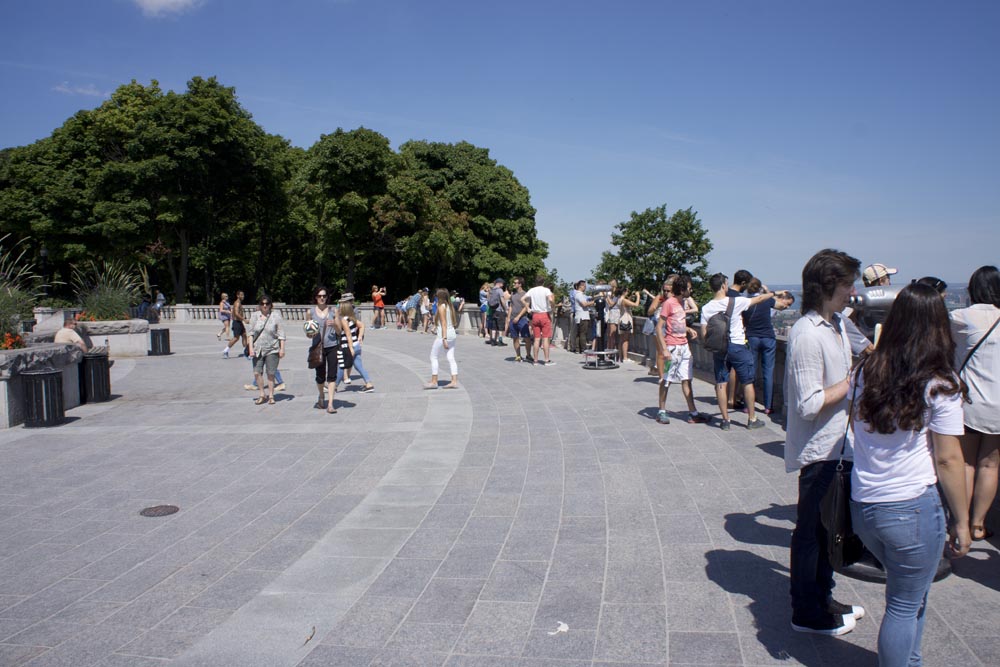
430	385
270	401
320	405
331	410
260	400
984	533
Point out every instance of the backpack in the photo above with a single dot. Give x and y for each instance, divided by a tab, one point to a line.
495	296
716	338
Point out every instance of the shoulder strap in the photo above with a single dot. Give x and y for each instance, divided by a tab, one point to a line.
976	347
257	335
850	417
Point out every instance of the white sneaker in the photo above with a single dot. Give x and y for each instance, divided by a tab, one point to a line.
347	380
225	352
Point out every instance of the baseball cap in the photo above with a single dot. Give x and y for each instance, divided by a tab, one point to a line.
875	272
500	281
346	297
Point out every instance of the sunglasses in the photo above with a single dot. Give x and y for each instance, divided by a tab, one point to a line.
321	296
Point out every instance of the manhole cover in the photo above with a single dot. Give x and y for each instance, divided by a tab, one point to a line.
159	510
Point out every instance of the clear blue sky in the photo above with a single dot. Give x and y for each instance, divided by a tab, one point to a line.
788	125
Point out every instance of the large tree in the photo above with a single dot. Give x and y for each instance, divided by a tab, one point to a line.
651	245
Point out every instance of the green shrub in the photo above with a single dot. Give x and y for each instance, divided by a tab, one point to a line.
106	289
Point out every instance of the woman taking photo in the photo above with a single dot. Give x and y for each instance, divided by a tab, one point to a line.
352	334
977	358
329	338
267	346
445	338
378	305
625	321
907	419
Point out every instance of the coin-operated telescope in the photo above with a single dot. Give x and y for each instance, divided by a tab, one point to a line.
871	305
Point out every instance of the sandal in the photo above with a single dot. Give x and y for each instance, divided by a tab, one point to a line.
431	385
260	400
270	401
980	533
330	410
368	388
451	385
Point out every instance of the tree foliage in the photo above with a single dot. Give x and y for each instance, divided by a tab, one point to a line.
190	187
650	246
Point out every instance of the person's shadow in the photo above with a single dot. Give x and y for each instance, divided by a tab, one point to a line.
980	565
748	528
765	583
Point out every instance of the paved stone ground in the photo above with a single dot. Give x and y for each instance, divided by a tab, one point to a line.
456	528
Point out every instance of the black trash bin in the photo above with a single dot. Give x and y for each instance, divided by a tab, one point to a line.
95	378
43	398
159	341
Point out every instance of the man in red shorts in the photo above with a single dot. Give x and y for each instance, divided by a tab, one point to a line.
542	306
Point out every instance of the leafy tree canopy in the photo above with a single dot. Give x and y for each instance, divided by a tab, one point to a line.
651	245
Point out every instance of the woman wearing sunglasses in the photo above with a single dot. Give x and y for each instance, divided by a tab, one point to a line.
267	346
329	337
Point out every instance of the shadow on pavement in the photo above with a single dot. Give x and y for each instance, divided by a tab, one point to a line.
981	566
746	528
648	413
765	583
774	448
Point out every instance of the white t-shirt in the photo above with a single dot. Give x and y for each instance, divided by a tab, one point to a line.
890	467
539	298
737	334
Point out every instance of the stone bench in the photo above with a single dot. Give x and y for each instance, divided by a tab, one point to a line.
123	338
50	356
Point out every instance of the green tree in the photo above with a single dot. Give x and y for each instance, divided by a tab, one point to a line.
650	246
343	174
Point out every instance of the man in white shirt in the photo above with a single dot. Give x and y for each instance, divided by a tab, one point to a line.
68	335
817	365
738	356
582	315
539	300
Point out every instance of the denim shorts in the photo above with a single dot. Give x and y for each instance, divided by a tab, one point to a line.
520	328
738	358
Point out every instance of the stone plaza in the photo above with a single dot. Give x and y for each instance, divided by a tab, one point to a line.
535	517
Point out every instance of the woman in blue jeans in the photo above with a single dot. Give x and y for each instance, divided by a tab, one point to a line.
760	335
907	418
352	335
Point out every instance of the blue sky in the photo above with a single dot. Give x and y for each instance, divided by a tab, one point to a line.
788	125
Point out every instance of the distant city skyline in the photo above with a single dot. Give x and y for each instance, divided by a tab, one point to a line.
788	126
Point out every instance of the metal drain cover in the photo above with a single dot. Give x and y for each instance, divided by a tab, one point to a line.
159	510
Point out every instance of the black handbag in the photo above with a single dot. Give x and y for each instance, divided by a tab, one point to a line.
843	546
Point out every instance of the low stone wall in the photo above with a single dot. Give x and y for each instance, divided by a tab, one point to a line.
65	358
123	338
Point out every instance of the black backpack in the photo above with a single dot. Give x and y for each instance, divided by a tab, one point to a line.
717	330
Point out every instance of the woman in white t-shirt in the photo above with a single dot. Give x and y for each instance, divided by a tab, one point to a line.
971	328
907	419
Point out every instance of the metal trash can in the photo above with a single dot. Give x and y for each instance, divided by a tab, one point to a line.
159	341
43	398
95	378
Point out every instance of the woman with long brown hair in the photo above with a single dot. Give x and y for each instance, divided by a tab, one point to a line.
445	338
907	420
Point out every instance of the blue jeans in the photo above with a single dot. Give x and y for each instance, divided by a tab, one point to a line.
810	569
762	351
358	366
907	537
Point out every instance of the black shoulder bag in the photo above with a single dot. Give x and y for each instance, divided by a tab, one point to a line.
843	546
976	346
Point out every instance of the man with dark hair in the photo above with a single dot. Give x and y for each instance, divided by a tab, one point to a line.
672	335
583	304
239	325
741	279
817	365
737	355
519	323
498	304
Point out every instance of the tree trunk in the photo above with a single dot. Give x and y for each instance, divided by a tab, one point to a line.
350	272
182	270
